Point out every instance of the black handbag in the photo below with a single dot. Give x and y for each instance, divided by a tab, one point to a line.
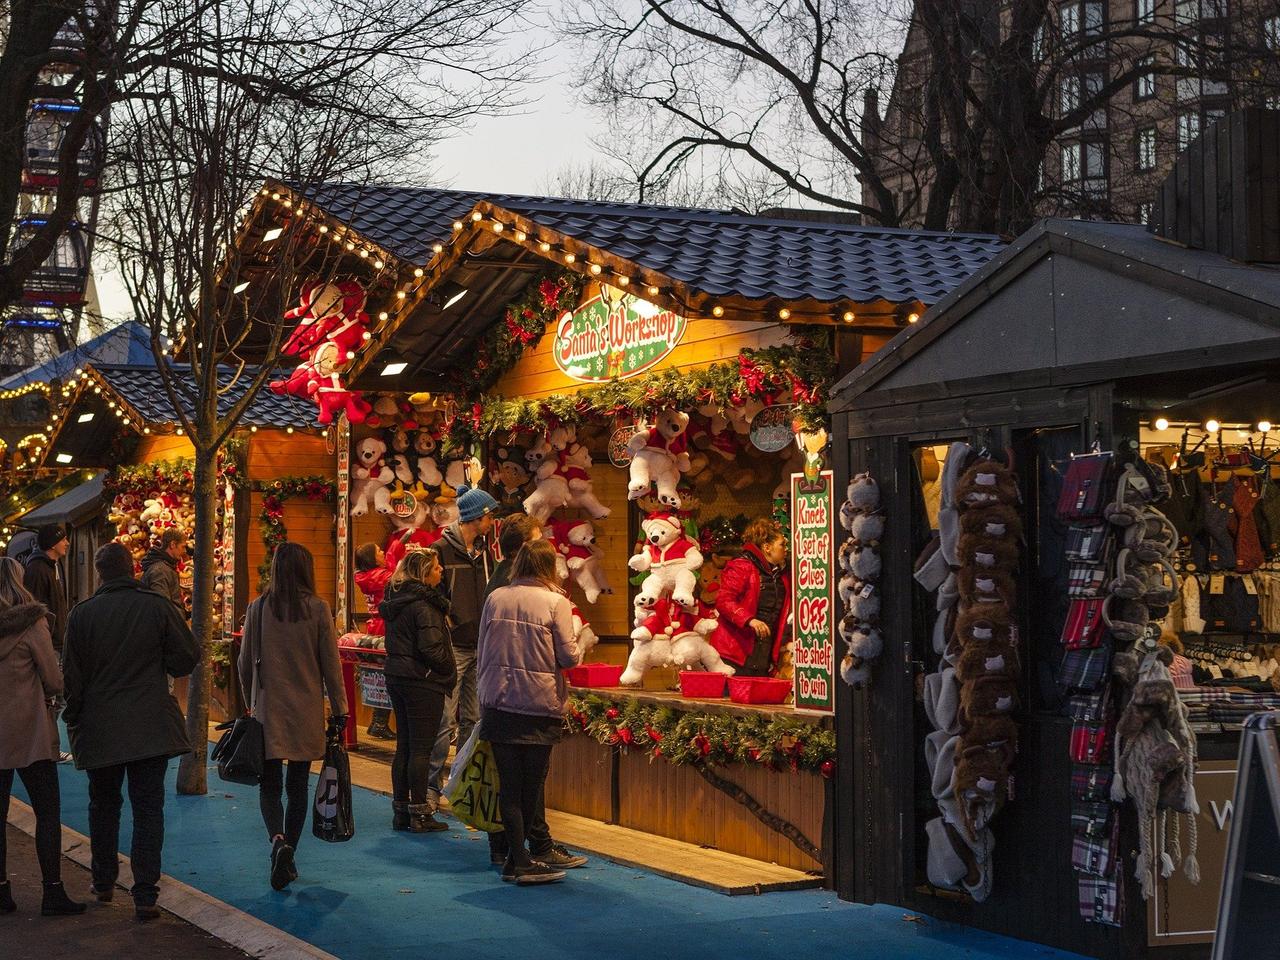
332	819
241	753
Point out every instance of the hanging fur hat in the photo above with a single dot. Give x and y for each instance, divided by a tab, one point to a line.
987	553
978	586
854	672
845	556
864	563
867	528
846	587
985	483
865	642
942	700
848	513
1000	521
864	602
978	660
864	493
994	695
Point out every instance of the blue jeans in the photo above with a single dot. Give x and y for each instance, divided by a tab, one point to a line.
464	703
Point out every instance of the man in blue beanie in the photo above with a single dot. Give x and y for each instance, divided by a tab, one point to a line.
464	554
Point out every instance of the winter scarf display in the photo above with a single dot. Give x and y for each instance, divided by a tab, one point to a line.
970	700
860	572
1121	585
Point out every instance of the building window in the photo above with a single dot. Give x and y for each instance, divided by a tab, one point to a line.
1145	210
1069	95
1069	19
1144	87
1095	168
1145	11
1271	32
1146	148
1070	156
1093	17
1188	129
1187	11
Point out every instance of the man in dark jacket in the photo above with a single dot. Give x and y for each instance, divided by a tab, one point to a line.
122	644
44	579
464	555
45	582
160	566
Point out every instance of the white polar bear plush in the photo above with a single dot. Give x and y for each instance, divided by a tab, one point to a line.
658	456
671	558
573	464
151	511
371	475
583	633
672	636
550	489
579	558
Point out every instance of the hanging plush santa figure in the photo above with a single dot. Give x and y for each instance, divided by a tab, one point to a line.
325	306
670	557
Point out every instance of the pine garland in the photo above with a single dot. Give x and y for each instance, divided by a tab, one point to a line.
775	741
799	373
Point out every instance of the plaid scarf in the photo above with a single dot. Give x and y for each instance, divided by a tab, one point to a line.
1097	855
1100	899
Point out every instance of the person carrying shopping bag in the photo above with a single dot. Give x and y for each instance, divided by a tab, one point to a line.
421	674
526	640
30	677
288	663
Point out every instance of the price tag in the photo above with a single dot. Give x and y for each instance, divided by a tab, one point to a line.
1250	587
1217	583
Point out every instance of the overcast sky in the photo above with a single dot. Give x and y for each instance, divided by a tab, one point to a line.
511	154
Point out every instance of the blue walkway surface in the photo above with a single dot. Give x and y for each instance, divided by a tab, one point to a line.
385	895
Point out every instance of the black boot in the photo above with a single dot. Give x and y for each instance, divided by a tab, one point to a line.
378	726
282	869
56	903
399	815
421	820
6	898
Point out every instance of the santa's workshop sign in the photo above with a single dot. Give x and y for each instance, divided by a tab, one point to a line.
614	336
813	647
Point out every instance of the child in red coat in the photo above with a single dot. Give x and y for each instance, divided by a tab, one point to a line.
372	577
754	602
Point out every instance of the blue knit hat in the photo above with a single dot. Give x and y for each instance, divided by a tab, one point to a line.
474	504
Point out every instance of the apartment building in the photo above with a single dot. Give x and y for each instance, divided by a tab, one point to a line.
1109	165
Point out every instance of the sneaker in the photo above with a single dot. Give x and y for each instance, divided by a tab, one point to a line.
282	871
65	757
537	873
508	871
561	859
146	912
102	894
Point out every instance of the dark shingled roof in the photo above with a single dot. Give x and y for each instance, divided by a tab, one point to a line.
143	389
712	251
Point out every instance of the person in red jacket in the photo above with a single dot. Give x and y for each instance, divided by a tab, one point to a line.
754	602
372	577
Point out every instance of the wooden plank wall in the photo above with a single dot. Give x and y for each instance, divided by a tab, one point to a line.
167	447
273	454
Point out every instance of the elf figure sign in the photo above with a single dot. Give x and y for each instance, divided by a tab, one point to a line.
812	587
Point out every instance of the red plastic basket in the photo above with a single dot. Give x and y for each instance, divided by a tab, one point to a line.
758	689
594	675
699	683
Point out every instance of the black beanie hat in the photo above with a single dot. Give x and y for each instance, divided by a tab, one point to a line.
50	536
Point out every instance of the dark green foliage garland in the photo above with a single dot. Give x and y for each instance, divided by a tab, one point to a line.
271	517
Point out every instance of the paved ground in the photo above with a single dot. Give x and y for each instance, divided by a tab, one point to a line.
104	930
386	896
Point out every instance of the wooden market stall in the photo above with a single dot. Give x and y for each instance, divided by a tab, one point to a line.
514	329
1076	359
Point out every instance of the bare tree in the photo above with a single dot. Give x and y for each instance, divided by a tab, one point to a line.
983	91
221	99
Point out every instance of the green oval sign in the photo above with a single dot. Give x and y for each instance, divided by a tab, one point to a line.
614	336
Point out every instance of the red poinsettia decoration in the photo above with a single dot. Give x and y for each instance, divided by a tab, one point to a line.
703	744
550	290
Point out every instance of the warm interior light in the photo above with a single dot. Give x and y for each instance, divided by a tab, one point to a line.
1211	426
1264	426
240	287
454	299
84	418
1161	423
653	291
272	234
391	369
63	458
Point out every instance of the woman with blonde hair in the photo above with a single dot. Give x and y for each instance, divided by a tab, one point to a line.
526	640
288	664
29	677
420	673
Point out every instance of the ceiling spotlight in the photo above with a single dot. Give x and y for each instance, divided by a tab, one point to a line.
1211	426
393	369
784	314
454	299
84	418
595	269
848	316
63	458
272	234
717	311
240	287
1161	423
653	291
544	247
913	318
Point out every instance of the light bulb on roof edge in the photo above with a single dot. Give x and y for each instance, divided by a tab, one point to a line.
1264	426
1211	426
1161	423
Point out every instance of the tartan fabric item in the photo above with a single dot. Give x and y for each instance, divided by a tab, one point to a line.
1097	854
1084	669
1090	782
1084	627
1086	580
1090	706
1087	542
1091	818
1085	488
1090	743
1100	899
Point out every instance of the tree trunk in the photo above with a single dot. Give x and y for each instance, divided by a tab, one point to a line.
193	769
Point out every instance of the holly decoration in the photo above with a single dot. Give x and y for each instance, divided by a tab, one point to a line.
695	737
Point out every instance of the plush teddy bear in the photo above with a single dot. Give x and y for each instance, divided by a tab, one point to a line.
460	471
583	633
151	510
426	469
371	475
511	477
671	558
672	636
573	464
397	457
320	312
318	379
550	490
658	456
385	410
575	543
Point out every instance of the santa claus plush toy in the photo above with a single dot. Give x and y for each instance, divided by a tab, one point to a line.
579	557
672	636
671	558
573	463
658	456
325	307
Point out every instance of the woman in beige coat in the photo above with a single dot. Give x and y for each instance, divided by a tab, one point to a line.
288	662
29	677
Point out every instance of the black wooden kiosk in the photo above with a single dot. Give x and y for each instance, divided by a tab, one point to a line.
1079	333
